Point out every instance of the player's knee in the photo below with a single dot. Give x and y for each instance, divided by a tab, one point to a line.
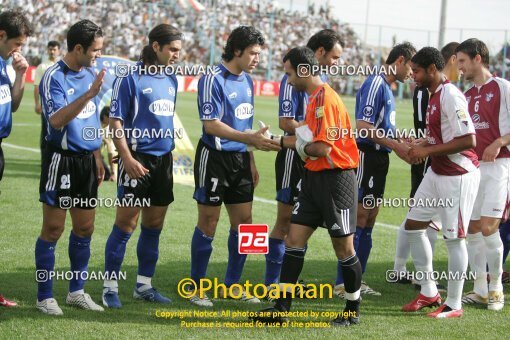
294	242
52	233
84	231
280	230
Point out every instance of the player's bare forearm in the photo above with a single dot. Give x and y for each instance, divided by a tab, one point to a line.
370	131
289	142
17	91
219	129
120	142
288	125
503	141
318	149
37	100
63	116
456	145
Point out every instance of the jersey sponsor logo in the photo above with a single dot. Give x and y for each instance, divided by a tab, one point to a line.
87	111
319	112
207	108
392	117
286	105
244	111
233	95
70	91
171	91
5	94
147	90
162	107
488	96
478	124
368	111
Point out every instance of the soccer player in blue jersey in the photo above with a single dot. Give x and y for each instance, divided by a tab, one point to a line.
375	122
224	170
327	46
72	167
145	102
14	30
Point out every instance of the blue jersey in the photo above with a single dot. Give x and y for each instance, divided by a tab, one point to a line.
5	101
146	105
229	98
59	87
375	104
292	103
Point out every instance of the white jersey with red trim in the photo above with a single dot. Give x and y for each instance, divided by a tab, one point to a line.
448	118
489	106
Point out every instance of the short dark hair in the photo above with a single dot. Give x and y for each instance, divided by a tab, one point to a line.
241	38
428	56
163	34
326	38
15	24
472	47
448	50
105	113
53	43
84	32
301	56
405	49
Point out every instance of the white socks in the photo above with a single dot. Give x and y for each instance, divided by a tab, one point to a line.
403	249
144	281
422	258
494	252
432	236
457	266
477	262
110	285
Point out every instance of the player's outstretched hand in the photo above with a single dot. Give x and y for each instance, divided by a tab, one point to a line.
402	151
261	142
96	85
134	169
19	63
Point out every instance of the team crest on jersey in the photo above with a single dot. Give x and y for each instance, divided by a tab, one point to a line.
207	108
248	92
392	117
319	112
114	105
368	111
489	96
286	105
171	91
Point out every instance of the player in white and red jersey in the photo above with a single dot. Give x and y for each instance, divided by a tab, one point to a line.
489	106
453	177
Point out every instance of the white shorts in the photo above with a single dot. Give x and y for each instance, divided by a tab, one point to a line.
450	197
493	193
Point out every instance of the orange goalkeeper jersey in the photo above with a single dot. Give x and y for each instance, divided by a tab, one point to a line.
329	121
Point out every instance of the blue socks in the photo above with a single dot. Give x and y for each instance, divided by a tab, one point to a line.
362	247
79	255
114	251
201	249
274	260
44	264
147	251
235	260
